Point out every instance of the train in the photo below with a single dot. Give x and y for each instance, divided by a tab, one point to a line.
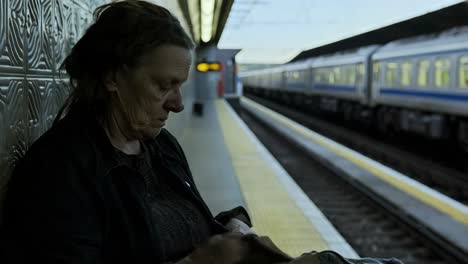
415	85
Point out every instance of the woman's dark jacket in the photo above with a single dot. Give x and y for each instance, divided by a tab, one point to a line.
69	201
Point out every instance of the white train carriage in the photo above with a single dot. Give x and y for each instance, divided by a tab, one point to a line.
268	78
421	84
417	85
343	75
298	76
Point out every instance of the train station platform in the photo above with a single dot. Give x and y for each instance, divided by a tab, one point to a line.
231	167
436	214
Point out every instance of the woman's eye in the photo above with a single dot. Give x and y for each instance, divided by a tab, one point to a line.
164	86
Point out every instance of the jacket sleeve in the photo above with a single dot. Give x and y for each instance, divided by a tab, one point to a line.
237	212
50	215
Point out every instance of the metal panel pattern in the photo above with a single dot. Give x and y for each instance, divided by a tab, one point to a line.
12	29
35	36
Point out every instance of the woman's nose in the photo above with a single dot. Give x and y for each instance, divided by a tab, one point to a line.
175	102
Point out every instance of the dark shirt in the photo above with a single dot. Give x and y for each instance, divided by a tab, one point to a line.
179	225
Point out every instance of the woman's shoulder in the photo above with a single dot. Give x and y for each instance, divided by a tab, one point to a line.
60	145
166	135
59	140
55	162
168	145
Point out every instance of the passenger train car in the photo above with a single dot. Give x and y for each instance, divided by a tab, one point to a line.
417	85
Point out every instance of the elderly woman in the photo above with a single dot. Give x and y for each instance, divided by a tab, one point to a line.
107	183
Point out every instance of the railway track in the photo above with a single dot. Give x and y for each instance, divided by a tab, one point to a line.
448	181
369	228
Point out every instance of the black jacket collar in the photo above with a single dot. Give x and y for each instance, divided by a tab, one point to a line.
97	135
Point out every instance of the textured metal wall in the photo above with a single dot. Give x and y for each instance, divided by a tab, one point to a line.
35	36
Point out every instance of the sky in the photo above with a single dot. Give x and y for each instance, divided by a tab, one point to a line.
275	31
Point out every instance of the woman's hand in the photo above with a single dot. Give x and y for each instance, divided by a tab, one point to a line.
226	248
235	248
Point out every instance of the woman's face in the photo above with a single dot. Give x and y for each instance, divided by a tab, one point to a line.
151	90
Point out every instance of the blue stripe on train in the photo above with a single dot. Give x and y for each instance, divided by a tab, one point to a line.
430	94
296	85
333	87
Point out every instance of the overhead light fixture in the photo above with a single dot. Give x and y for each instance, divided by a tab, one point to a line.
207	15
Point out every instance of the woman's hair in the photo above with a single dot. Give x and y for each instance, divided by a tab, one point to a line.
122	32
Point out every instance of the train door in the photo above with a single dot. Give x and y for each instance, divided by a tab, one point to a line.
361	86
374	76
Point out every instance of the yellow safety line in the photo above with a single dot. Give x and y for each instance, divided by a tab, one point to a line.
449	209
274	213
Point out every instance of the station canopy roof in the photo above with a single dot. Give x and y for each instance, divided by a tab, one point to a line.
276	31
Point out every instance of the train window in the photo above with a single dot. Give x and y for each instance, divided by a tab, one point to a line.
358	70
344	75
317	74
328	76
442	73
463	72
352	74
274	79
423	73
303	76
349	74
295	75
376	71
391	73
324	75
337	72
406	73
